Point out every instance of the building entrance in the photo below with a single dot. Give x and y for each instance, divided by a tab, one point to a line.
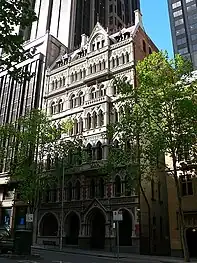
73	229
191	235
97	230
125	229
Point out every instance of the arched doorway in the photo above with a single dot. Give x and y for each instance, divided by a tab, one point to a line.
191	235
125	229
97	226
49	225
72	230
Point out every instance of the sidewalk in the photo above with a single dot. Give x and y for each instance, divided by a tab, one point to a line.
123	256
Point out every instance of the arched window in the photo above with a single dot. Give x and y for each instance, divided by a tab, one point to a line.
69	196
84	73
76	128
123	59
60	82
101	188
53	85
89	151
75	75
64	81
117	61
94	68
72	77
102	91
72	101
113	62
99	151
81	98
78	191
53	108
56	84
81	74
117	186
94	120
127	186
92	189
80	125
93	93
91	69
104	65
101	118
127	57
144	46
60	105
89	121
100	65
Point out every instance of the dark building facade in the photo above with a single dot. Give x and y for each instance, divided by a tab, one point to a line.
68	20
183	19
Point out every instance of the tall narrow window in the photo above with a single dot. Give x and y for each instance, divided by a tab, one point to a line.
69	191
117	186
92	189
101	188
78	190
99	151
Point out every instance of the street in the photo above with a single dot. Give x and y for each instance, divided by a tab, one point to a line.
57	257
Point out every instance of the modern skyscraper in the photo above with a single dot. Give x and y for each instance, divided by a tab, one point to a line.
183	18
68	20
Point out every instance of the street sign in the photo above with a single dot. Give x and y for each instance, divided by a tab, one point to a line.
29	218
117	216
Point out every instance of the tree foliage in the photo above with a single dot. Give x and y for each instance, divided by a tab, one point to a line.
38	148
158	118
15	15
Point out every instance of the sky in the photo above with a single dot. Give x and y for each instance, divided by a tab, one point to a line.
156	23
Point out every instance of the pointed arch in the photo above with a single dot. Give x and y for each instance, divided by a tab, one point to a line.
92	189
69	192
101	118
89	121
123	59
78	190
53	108
95	120
101	188
60	105
99	151
93	93
89	151
81	98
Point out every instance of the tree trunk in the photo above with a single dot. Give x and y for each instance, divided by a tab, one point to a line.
149	216
181	214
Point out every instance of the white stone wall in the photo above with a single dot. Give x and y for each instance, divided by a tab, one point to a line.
83	87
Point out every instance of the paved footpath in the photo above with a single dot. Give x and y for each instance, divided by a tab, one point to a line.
84	256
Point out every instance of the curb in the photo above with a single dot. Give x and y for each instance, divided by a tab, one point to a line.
77	253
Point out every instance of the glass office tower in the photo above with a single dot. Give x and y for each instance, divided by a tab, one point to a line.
183	19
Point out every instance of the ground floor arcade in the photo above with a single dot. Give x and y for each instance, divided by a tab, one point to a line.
93	229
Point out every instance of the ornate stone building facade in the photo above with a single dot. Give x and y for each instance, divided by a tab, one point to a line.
79	87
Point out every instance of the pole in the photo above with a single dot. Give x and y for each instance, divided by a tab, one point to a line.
118	245
62	207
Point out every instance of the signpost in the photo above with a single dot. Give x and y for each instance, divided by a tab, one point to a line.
117	217
29	218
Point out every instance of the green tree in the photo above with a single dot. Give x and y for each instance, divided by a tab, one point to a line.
31	140
159	117
14	15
